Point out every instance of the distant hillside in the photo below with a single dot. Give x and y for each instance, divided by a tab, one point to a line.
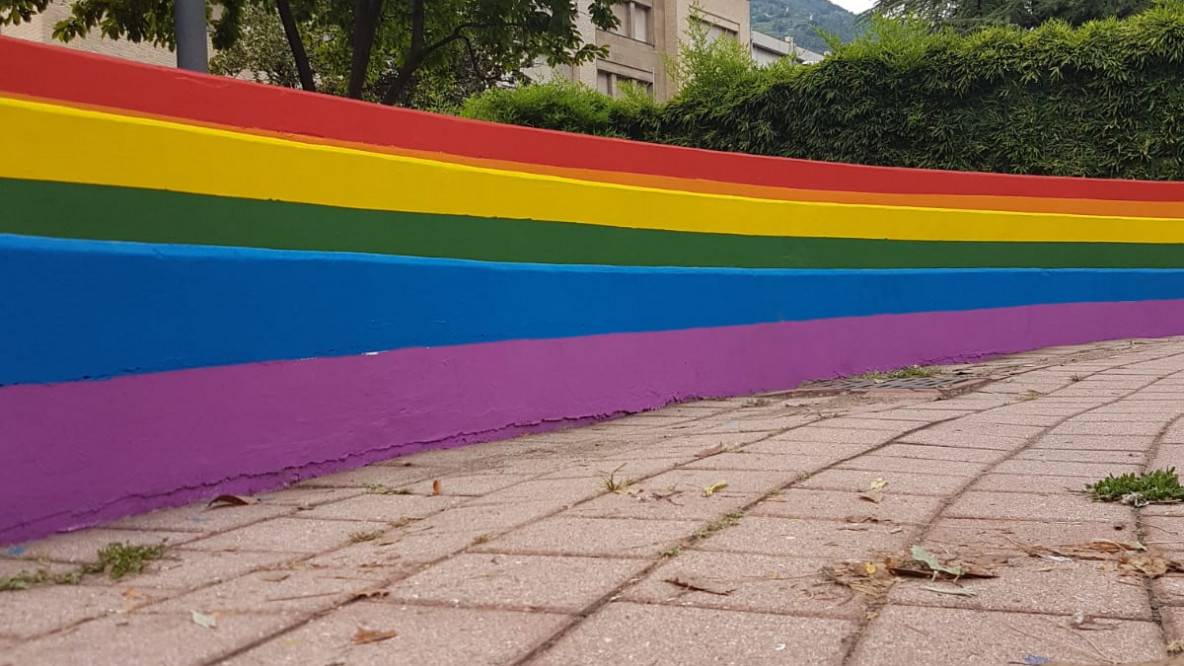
794	18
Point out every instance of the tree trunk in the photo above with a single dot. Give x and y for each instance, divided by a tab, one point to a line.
366	14
296	44
414	58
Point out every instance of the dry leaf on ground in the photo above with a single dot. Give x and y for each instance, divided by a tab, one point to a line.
956	591
435	487
710	451
363	636
230	500
713	488
207	621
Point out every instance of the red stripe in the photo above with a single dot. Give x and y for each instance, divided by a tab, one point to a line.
57	73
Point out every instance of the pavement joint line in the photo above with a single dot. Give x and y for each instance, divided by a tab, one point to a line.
693	539
1153	599
857	637
876	406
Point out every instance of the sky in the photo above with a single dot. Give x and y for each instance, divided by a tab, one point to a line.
854	5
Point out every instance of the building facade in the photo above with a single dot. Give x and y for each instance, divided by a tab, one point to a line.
647	35
40	29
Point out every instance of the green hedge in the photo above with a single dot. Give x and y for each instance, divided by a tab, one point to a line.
1103	100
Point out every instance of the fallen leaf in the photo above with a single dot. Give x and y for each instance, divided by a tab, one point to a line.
700	585
710	490
363	636
1176	646
435	487
875	496
370	594
956	591
1151	566
230	500
710	451
923	556
878	484
130	593
869	568
861	527
274	576
207	621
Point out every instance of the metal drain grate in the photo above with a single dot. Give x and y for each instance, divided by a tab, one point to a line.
947	385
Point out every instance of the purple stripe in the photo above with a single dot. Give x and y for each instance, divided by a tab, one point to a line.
79	453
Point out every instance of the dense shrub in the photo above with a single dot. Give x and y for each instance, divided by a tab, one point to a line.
1104	100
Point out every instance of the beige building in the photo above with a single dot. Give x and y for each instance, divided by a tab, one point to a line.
40	29
647	34
767	49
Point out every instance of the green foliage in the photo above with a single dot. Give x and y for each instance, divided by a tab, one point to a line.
119	559
13	12
556	104
1162	485
973	14
802	19
1102	100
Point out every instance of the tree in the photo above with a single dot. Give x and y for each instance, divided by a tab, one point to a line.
383	49
971	14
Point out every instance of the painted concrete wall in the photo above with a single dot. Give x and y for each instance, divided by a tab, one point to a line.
214	286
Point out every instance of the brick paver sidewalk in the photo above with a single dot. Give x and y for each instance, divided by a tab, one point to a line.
517	552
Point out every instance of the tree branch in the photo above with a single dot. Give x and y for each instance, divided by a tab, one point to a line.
296	44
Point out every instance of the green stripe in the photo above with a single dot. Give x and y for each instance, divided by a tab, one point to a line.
67	210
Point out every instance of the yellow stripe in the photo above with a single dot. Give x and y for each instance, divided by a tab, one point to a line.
62	143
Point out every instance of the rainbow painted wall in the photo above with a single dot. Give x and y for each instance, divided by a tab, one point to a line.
212	286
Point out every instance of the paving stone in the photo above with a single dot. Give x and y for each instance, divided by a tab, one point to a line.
918	635
182	569
743	460
934	452
1095	442
298	590
203	519
1169	590
965	440
84	545
807	538
386	475
555	491
1077	427
1034	585
759	583
623	537
1092	471
829	450
1016	483
1036	506
596	470
681	495
423	635
1083	456
381	508
972	537
160	640
869	422
1164	532
626	633
839	505
307	497
41	610
837	435
1168	455
400	550
488	518
858	481
518	582
885	464
288	535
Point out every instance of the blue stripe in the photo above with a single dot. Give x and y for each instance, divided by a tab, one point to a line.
72	309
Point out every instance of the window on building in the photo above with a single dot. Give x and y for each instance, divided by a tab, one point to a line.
612	84
642	28
633	21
